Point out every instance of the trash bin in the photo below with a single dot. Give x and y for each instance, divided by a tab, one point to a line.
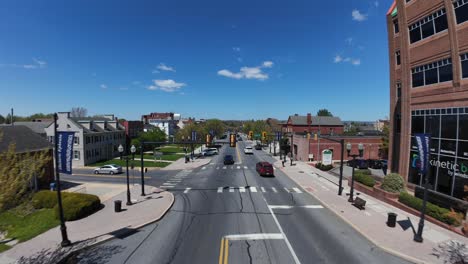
187	159
117	206
391	221
52	186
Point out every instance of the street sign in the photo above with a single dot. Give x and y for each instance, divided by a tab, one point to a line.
327	157
157	154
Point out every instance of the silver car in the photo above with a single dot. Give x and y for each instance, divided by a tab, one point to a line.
108	169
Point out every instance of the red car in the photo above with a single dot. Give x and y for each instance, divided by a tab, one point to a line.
264	168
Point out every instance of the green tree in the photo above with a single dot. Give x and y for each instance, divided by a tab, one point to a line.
324	112
385	141
16	174
2	119
214	125
154	135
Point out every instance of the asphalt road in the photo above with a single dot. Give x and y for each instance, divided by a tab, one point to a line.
232	215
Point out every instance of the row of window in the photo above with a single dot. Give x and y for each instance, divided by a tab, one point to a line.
436	72
96	139
435	22
464	62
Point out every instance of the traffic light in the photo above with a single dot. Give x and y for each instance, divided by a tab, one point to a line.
250	135
308	136
232	140
208	140
264	135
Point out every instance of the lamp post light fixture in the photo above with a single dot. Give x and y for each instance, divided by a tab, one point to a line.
121	150
354	156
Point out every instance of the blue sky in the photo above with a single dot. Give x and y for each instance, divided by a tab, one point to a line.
206	59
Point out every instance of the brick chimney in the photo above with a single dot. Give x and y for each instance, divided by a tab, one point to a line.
309	119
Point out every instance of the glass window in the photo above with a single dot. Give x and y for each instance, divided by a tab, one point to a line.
417	124
445	73
460	190
461	11
465	69
434	145
427	29
414	176
449	127
448	147
463	127
444	180
396	28
463	149
433	125
398	59
415	35
431	76
76	154
76	140
418	79
441	23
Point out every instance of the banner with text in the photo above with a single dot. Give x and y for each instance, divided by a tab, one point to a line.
65	151
422	141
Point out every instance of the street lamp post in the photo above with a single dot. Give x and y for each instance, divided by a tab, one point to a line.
292	148
354	156
121	150
142	171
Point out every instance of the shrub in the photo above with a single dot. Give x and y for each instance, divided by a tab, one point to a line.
439	213
44	199
364	178
78	205
323	167
393	183
364	171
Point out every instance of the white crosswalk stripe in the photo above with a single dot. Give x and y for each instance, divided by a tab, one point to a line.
286	189
253	189
241	189
263	189
274	189
220	189
231	189
166	186
297	190
245	167
217	168
224	167
238	167
204	168
187	190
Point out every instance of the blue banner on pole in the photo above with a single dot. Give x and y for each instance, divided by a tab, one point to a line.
422	141
65	151
194	135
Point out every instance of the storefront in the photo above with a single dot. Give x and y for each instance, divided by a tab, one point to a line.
448	171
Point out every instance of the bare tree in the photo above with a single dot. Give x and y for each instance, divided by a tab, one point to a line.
78	112
453	252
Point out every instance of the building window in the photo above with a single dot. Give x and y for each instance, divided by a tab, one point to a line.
428	26
436	72
398	58
396	27
461	10
464	63
76	155
398	93
76	140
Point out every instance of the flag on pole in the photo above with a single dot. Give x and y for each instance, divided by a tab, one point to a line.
65	151
422	141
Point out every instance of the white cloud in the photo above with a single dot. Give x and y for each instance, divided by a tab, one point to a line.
103	86
348	59
349	40
236	49
30	66
136	83
356	62
239	59
358	16
37	64
40	63
164	67
123	88
155	71
337	59
376	3
248	72
166	85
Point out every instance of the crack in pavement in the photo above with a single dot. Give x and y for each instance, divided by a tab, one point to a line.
248	251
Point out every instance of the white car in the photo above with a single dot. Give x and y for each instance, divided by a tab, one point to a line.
248	150
108	169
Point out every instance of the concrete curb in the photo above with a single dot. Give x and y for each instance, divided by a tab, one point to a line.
106	238
388	250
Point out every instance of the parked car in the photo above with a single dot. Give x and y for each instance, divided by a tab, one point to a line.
358	164
248	150
108	169
207	153
264	168
228	160
258	147
374	164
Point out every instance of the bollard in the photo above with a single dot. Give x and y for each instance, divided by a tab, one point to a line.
117	206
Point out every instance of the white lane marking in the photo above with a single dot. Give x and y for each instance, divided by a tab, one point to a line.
297	190
274	189
254	236
187	190
241	189
296	259
263	189
167	183
245	167
231	189
238	167
253	189
224	167
217	168
318	206
287	189
204	168
165	187
220	189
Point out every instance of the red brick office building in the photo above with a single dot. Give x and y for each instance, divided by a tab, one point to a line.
428	51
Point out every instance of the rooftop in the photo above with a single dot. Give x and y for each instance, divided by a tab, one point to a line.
25	139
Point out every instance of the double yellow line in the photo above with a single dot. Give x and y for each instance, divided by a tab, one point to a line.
238	154
224	251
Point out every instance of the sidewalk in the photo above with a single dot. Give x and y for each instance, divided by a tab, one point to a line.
181	165
100	226
371	222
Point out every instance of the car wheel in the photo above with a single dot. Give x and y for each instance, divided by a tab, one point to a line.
111	173
96	172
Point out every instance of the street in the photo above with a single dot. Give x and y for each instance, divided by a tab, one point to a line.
230	214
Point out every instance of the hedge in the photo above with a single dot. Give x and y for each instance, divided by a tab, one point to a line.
393	183
75	205
323	167
439	213
364	171
364	178
78	205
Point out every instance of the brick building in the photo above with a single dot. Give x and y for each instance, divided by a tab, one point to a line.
328	125
428	54
132	129
167	122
